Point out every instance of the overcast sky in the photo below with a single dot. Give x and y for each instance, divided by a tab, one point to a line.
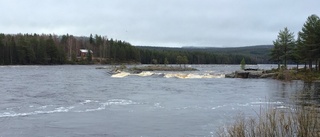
170	23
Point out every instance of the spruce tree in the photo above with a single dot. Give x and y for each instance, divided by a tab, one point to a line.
310	38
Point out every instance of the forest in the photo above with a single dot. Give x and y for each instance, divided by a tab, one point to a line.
26	49
303	50
212	55
46	49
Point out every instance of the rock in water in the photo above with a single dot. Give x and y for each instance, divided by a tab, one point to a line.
254	74
232	75
241	74
248	74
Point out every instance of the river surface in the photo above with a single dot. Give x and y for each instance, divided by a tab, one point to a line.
67	100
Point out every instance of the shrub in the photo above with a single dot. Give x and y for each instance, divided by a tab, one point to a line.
301	122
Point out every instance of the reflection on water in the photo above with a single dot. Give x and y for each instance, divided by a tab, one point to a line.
295	93
309	94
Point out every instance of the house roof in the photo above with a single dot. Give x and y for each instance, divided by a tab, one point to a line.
85	51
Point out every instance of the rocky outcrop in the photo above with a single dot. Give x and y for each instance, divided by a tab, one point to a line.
250	74
241	74
268	75
255	74
231	75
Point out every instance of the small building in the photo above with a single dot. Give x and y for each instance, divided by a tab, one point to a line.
84	53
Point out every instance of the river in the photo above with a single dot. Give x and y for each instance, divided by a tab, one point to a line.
72	100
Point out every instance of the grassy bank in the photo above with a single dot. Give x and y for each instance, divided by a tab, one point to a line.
300	122
293	74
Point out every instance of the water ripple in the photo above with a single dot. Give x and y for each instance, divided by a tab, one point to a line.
84	106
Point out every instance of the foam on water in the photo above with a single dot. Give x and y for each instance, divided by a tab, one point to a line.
87	101
158	105
111	102
85	106
253	104
120	75
56	110
144	74
42	107
218	107
263	102
193	76
170	75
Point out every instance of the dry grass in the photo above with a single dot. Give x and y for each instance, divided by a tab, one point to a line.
292	74
300	122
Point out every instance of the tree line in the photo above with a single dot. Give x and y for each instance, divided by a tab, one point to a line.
30	49
303	50
25	49
193	57
43	49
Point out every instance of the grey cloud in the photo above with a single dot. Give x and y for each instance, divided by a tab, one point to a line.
160	23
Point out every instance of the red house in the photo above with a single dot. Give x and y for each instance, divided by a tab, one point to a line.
84	53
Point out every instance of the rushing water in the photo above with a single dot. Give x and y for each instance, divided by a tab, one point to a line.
84	101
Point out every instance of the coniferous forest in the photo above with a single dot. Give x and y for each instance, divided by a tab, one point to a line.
303	50
44	49
52	49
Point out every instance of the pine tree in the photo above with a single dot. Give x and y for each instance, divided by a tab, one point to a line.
283	47
52	51
310	38
91	39
276	53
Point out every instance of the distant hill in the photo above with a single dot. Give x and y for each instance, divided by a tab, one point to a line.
259	52
248	50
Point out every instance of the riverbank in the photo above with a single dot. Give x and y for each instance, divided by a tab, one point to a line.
282	74
301	74
301	121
